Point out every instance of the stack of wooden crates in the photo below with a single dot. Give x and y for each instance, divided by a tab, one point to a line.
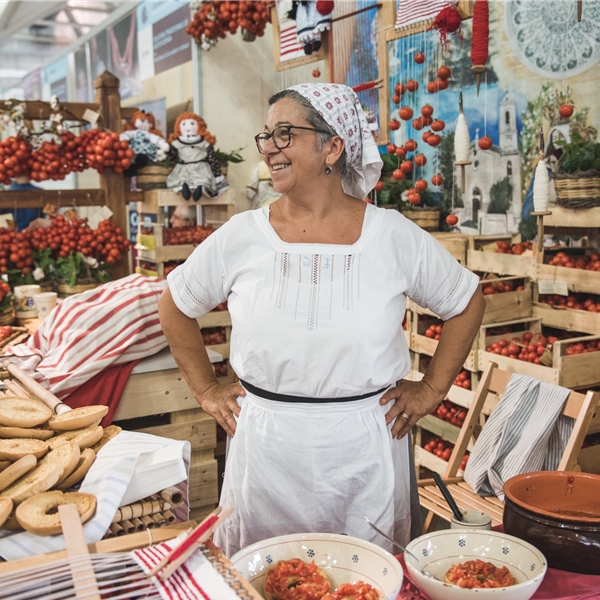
160	402
517	311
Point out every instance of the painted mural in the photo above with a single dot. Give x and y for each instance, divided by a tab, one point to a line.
540	58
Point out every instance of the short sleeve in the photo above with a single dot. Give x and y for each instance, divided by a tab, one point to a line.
439	282
197	286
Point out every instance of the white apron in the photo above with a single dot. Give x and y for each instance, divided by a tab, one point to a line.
298	468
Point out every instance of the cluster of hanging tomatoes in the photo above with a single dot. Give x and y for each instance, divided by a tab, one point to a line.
216	18
15	251
55	159
107	243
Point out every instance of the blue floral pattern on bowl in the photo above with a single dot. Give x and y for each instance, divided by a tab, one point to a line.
424	551
385	571
310	553
505	550
269	558
462	543
355	558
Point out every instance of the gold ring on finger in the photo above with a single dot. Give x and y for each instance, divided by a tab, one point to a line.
404	416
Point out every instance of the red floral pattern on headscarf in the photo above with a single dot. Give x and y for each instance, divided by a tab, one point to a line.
340	107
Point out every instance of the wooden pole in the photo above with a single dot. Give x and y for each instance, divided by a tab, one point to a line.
113	184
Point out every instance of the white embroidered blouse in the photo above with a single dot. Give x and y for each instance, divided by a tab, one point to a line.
320	320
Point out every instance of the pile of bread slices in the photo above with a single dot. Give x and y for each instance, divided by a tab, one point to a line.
41	456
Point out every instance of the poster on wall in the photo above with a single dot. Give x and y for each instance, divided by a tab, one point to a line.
99	54
31	85
83	88
55	80
162	40
124	56
540	57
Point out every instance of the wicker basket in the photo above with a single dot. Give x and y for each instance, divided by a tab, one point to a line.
9	315
152	177
64	291
581	190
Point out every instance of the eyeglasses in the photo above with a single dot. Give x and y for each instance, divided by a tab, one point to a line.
281	136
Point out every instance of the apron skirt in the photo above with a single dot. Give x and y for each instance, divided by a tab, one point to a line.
314	468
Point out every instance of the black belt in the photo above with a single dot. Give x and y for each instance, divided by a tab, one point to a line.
287	398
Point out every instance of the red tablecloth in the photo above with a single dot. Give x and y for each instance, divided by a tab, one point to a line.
557	585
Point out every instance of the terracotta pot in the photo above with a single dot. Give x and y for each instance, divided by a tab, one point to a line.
559	513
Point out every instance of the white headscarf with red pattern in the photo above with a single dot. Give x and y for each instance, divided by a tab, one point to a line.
340	107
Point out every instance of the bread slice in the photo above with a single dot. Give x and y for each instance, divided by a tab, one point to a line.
6	506
41	479
26	432
109	433
11	522
67	455
86	460
23	412
4	464
16	470
77	418
83	437
18	448
38	514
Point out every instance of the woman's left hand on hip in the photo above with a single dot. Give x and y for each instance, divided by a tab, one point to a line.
412	400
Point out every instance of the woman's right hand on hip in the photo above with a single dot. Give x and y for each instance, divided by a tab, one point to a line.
220	401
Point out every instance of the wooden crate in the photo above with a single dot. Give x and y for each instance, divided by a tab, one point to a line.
577	280
455	243
458	395
565	318
421	344
431	461
481	256
575	372
150	247
498	307
155	199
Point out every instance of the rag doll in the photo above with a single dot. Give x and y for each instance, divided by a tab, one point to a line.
145	140
197	170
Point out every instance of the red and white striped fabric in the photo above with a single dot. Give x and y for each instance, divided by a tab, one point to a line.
288	44
196	579
415	11
112	324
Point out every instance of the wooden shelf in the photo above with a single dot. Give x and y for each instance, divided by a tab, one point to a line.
585	218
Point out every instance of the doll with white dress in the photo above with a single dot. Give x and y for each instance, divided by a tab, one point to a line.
197	170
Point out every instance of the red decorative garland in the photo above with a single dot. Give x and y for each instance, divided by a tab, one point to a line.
481	33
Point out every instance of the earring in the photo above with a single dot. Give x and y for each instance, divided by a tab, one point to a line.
328	170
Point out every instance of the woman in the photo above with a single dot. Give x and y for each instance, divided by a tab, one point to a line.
316	285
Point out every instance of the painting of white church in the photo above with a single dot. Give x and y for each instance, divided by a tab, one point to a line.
487	168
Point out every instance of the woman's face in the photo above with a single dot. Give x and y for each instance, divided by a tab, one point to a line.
301	162
189	128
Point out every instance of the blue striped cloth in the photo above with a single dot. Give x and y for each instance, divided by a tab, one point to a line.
108	479
526	432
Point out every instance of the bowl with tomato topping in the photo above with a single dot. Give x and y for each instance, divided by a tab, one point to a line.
475	564
320	566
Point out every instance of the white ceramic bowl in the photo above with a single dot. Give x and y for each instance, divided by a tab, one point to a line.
345	559
439	550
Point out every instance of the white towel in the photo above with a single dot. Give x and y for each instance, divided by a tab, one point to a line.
526	432
109	478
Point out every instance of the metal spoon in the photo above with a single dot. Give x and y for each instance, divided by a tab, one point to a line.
389	539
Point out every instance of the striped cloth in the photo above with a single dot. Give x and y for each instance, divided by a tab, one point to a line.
289	48
113	324
526	432
196	579
415	11
109	479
